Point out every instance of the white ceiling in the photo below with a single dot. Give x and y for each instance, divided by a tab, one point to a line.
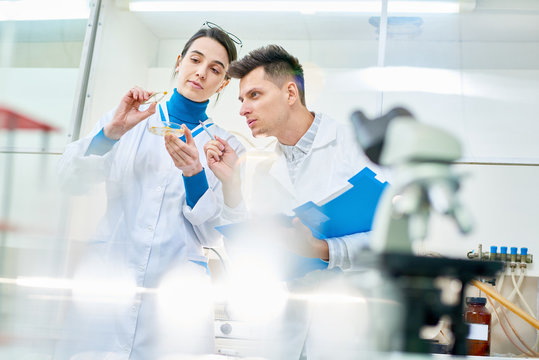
497	37
468	40
492	20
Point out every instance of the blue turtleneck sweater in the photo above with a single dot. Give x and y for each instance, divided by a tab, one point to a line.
182	111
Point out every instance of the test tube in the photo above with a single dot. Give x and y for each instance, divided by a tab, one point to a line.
155	97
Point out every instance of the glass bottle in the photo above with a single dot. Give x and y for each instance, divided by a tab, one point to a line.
478	318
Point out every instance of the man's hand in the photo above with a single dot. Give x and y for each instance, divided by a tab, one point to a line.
299	240
127	114
296	238
222	159
184	154
223	162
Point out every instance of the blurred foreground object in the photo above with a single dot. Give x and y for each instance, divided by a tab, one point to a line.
420	158
10	121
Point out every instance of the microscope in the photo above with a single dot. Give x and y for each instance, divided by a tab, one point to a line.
419	158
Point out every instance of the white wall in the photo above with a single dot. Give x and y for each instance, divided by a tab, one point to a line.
502	201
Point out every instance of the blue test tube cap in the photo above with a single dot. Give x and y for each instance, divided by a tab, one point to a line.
493	249
524	251
503	250
514	250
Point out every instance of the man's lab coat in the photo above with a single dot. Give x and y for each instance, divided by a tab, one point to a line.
334	158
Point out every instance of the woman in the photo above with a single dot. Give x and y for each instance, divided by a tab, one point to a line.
162	207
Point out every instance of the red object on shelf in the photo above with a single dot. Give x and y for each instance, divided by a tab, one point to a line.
12	120
5	226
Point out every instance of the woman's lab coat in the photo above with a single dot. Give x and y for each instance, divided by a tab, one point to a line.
334	158
150	239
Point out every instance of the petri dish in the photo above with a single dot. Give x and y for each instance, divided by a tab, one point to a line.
165	127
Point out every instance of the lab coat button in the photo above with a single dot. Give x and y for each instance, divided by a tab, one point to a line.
141	268
158	189
150	228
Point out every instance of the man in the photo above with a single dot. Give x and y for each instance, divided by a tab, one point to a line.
314	157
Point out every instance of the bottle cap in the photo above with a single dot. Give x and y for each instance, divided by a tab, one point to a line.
476	300
523	251
514	250
493	249
503	249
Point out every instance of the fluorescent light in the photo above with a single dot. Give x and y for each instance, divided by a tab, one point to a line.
423	7
43	10
264	6
364	6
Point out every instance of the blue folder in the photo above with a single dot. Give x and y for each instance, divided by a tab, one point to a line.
347	212
352	211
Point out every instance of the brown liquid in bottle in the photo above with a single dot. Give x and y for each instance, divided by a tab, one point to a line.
478	318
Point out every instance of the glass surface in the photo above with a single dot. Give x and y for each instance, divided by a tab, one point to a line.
39	72
33	245
41	47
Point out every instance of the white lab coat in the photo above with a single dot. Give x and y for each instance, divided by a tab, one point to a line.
147	234
334	158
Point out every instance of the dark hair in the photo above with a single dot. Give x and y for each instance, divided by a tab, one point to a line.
278	64
218	35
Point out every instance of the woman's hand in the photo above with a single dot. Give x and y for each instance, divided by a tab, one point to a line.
184	154
222	159
127	114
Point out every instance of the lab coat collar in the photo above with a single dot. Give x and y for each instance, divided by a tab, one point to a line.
327	132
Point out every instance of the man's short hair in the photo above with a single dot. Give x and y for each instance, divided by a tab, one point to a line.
278	64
